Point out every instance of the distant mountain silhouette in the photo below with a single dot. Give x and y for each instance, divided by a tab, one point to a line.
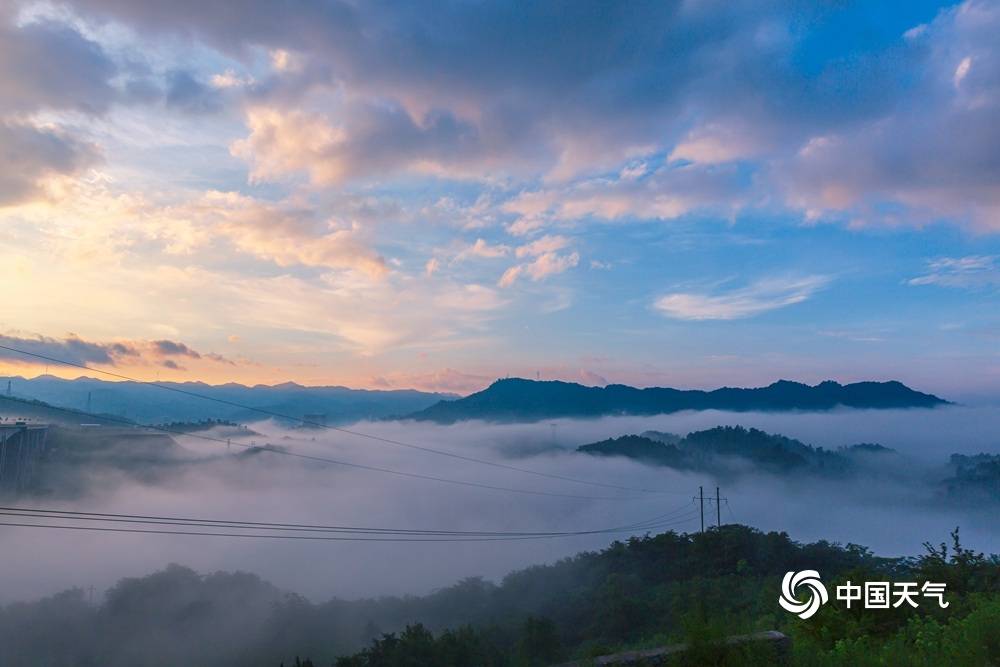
150	405
517	399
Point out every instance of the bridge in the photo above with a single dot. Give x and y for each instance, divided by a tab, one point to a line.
22	445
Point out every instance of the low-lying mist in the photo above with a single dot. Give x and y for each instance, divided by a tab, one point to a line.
893	517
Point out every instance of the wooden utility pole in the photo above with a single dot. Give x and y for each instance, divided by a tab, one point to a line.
718	509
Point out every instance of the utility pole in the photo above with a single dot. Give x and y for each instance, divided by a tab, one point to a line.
718	509
701	504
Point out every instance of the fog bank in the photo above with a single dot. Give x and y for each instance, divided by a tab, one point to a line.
892	518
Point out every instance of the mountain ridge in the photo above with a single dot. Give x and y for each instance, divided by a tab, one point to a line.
518	399
148	403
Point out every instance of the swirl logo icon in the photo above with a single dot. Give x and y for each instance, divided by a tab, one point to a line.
808	579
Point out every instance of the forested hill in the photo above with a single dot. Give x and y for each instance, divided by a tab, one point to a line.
516	399
643	592
727	450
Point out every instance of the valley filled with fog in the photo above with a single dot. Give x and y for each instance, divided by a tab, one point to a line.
892	510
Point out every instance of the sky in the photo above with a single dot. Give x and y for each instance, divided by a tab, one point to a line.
379	195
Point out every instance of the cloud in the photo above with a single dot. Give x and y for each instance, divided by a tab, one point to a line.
470	298
546	244
592	379
493	91
345	315
46	67
465	95
33	154
754	299
49	65
933	154
971	272
231	79
354	119
169	348
284	143
511	275
664	194
856	336
369	139
185	92
281	488
259	268
546	260
278	232
961	71
481	248
543	266
716	143
445	380
76	350
551	263
71	349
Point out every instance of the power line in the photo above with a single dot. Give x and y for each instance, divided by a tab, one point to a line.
265	536
326	460
325	538
731	515
286	537
110	517
718	509
456	535
391	441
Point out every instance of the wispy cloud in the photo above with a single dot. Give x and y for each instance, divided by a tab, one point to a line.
546	264
754	299
855	335
482	248
546	244
971	272
546	260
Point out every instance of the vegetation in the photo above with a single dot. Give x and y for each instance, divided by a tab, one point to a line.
714	450
976	478
198	425
646	592
516	399
645	600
